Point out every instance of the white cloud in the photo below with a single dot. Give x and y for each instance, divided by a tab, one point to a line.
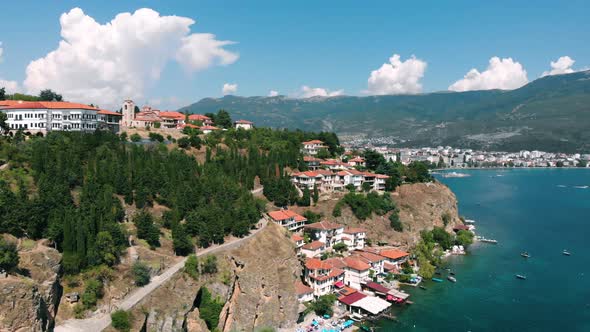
397	77
229	88
505	74
563	65
106	63
11	86
273	93
307	92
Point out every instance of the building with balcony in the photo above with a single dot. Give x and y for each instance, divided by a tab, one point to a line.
288	219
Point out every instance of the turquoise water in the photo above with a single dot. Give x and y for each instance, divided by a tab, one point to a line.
525	210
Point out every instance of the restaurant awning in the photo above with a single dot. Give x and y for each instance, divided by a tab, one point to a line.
372	304
398	294
338	284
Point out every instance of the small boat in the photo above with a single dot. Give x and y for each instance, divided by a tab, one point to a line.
437	280
422	287
525	254
451	278
566	253
409	302
520	276
489	241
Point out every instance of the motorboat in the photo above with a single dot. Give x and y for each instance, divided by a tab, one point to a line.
520	276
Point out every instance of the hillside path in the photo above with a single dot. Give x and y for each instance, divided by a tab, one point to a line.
102	320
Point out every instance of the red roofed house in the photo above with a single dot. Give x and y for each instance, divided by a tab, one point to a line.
356	272
172	119
313	147
299	241
244	124
304	292
313	249
312	162
321	276
357	161
351	299
288	219
205	120
354	237
40	117
374	260
328	232
208	129
394	256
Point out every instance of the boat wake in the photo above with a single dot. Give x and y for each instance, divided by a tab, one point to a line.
562	186
581	187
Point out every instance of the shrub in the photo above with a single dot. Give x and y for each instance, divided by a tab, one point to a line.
210	265
121	320
191	267
156	137
141	274
157	125
92	293
183	142
8	255
395	223
340	247
135	138
209	308
79	311
337	212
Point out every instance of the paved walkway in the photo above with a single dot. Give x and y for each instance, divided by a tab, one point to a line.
102	320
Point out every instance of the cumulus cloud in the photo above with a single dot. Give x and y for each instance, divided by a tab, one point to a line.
10	86
505	74
397	77
307	92
229	88
563	65
273	93
106	63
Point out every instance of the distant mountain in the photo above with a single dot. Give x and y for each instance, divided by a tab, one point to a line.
551	113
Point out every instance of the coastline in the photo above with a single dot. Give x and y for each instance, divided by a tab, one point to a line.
501	168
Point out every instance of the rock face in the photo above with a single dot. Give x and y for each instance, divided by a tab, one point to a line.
263	292
29	301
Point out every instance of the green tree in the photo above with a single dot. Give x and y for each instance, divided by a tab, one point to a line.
92	292
135	137
209	308
305	199
121	320
141	274
181	239
49	95
9	258
183	142
316	195
3	93
191	266
464	238
340	247
395	222
337	211
4	128
324	305
146	229
105	246
210	265
223	119
157	125
426	268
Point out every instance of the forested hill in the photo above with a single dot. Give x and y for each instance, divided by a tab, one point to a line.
551	113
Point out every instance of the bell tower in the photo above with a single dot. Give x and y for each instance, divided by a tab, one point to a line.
128	110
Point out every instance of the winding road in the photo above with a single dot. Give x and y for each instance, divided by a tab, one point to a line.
102	320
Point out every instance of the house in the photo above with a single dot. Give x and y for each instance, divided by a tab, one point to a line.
304	292
321	276
203	119
356	272
172	120
313	249
299	242
41	117
244	124
312	162
109	120
357	161
313	147
208	129
373	260
325	231
354	237
334	165
394	257
288	219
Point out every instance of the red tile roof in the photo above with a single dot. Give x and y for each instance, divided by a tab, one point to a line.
48	105
199	117
244	122
286	214
314	245
377	287
324	225
174	115
354	230
297	238
369	256
302	289
209	128
105	112
317	264
356	264
352	298
315	141
393	253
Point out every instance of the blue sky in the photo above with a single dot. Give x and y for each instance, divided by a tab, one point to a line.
330	45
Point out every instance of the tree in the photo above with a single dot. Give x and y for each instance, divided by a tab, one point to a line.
156	137
440	236
210	264
4	128
8	256
464	238
157	125
181	239
191	266
121	320
373	159
337	212
49	95
223	119
395	223
340	247
146	229
426	268
183	142
135	137
324	305
2	93
305	199
209	308
141	274
105	246
92	293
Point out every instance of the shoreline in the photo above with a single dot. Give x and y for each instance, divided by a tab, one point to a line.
501	168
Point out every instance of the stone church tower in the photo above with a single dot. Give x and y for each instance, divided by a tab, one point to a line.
128	110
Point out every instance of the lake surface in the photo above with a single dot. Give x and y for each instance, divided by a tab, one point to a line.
542	211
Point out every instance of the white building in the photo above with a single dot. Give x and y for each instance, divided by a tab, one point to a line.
304	292
288	219
325	231
354	238
313	249
244	124
321	276
41	117
313	147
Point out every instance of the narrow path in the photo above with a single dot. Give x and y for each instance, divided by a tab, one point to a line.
102	320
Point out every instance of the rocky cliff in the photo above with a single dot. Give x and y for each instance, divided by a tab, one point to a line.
421	206
263	289
29	299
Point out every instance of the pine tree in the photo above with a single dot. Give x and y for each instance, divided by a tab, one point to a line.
316	194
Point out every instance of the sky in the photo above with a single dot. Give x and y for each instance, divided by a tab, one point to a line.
173	53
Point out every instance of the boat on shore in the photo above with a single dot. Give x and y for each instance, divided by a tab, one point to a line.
525	254
452	279
520	276
566	253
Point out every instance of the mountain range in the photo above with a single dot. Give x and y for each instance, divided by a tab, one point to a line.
551	113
